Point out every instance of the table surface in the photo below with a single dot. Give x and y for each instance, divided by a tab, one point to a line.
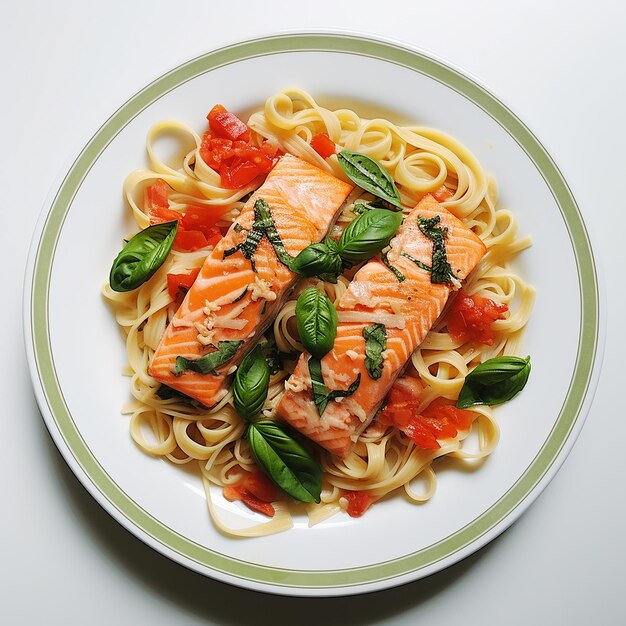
67	66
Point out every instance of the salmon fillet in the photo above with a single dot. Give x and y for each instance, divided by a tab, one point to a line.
408	309
230	301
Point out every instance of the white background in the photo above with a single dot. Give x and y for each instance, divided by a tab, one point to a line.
67	66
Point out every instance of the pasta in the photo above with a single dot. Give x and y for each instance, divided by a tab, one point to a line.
420	160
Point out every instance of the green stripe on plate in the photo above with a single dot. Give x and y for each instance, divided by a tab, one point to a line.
168	538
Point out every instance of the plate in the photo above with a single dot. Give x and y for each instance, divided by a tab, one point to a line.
76	359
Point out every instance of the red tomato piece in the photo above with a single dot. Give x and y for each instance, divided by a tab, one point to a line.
254	155
225	124
239	174
202	218
323	145
470	318
179	284
442	194
190	240
155	196
358	502
420	435
247	489
442	409
260	485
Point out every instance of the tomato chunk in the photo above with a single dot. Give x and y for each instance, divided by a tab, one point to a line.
470	318
358	502
442	194
155	196
323	145
225	124
179	284
256	491
439	420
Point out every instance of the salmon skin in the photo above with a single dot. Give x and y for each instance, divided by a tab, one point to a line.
234	298
405	301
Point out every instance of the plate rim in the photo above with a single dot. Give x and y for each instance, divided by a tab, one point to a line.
306	582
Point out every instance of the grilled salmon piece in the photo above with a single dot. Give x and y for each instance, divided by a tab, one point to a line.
407	308
234	299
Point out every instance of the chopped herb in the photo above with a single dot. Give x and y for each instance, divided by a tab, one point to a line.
441	272
375	343
169	393
274	357
208	363
416	261
238	228
396	272
264	222
321	395
241	295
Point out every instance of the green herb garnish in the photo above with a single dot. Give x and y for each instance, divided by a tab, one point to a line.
316	319
142	256
394	270
368	234
375	343
251	384
416	261
208	363
440	272
319	259
369	175
321	395
285	461
495	381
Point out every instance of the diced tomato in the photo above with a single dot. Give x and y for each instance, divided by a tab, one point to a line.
225	124
203	218
155	196
190	240
239	174
470	318
444	410
256	491
418	432
358	502
323	145
179	284
439	420
261	486
442	194
254	155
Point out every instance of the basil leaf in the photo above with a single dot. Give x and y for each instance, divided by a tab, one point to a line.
375	343
394	270
495	381
142	256
251	384
440	271
321	395
316	319
369	175
285	461
319	259
208	363
368	234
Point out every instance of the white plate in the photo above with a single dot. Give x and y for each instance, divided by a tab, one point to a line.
76	353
